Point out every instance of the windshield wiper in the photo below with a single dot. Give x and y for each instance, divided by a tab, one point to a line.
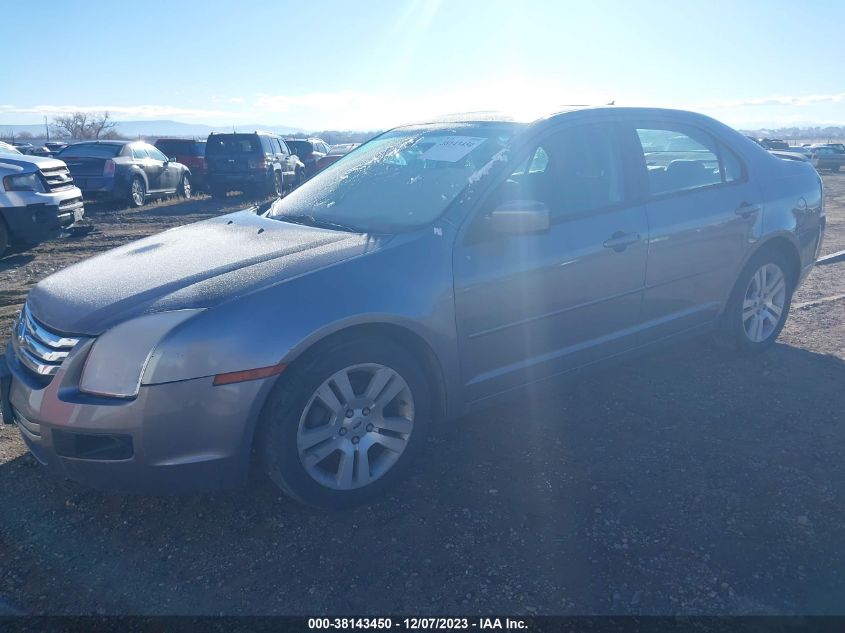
320	223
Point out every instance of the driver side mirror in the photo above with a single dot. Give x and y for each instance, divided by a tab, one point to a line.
520	217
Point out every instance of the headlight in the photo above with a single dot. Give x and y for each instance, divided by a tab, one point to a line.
23	182
118	358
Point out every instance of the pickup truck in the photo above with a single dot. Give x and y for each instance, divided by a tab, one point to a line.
37	198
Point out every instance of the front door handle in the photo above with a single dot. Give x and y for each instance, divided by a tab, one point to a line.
746	209
620	240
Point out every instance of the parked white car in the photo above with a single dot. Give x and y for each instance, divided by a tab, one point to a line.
37	198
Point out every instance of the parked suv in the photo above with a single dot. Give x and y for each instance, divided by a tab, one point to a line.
190	153
37	198
255	162
309	151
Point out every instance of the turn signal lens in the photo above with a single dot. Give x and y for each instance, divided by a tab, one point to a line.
249	374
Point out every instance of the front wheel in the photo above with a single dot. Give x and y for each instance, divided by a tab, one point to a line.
344	424
185	187
759	304
278	185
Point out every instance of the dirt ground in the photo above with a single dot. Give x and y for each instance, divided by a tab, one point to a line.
695	481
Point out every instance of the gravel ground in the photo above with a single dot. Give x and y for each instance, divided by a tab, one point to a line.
692	482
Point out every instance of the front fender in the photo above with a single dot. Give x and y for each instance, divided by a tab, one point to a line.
406	284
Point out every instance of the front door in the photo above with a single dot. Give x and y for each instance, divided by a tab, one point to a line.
169	173
532	305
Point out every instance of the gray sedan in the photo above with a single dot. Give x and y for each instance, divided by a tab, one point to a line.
433	270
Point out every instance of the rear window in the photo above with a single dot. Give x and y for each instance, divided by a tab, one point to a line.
233	144
300	148
172	147
92	150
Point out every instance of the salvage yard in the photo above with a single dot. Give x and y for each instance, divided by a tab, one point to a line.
694	481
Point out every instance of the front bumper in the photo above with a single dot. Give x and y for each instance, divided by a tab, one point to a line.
44	216
173	437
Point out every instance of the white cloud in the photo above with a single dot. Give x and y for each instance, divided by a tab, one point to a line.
122	112
800	100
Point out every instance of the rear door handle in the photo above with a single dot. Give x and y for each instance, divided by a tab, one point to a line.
619	241
746	209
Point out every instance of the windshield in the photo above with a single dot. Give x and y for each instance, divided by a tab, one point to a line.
300	148
93	150
186	148
233	144
8	149
399	181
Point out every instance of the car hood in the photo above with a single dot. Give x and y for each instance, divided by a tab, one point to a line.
26	163
195	266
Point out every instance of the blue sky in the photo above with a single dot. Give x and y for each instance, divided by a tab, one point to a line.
368	64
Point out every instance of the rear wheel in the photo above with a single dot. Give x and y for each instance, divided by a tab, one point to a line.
137	192
278	185
218	193
4	237
759	304
344	424
185	187
834	168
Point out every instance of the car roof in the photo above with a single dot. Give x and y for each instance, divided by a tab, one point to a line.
567	111
110	142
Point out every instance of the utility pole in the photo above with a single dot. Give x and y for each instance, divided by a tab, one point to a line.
46	128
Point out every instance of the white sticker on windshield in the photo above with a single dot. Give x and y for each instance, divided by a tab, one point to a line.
452	148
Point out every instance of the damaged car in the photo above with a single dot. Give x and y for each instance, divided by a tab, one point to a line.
438	268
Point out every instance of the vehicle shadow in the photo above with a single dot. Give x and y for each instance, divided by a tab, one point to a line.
688	482
14	260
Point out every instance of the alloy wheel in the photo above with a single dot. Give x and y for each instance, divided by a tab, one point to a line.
764	302
355	426
138	192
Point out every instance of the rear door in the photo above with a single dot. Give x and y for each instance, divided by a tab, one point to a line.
702	210
288	163
529	306
152	168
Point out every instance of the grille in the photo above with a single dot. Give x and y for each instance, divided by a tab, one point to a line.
69	205
57	178
37	348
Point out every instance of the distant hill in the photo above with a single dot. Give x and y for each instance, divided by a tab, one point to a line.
133	129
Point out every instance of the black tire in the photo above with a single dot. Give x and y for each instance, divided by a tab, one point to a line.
733	326
185	187
218	193
4	237
276	436
277	188
300	178
835	168
137	192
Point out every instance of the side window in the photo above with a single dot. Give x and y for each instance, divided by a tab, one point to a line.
678	160
265	145
139	152
284	146
572	171
534	164
154	153
731	164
